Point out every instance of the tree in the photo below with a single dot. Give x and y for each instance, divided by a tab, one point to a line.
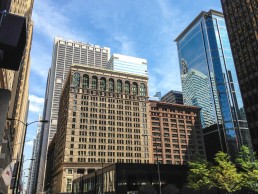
248	165
199	175
224	175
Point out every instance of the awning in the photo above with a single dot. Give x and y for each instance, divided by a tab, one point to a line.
12	40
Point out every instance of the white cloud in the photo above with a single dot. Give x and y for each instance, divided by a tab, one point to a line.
36	104
50	21
29	143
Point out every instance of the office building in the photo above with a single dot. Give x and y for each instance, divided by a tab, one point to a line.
65	52
176	132
16	81
128	64
205	55
174	97
242	22
102	116
35	158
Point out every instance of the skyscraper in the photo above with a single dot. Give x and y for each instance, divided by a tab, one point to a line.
205	56
128	64
64	54
174	97
36	146
102	116
242	22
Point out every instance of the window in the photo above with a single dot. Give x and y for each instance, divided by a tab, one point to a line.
76	80
142	89
69	185
135	89
111	85
127	87
102	84
94	83
85	81
119	86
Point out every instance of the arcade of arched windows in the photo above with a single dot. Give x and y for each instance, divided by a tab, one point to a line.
87	81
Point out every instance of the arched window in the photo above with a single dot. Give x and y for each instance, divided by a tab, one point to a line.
119	86
94	83
135	89
127	87
85	81
76	79
102	83
142	89
111	85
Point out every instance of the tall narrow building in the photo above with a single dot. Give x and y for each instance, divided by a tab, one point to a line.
65	52
242	23
209	79
102	119
36	146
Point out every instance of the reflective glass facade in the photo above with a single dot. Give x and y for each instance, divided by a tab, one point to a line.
209	77
128	64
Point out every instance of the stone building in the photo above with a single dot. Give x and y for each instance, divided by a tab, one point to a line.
102	119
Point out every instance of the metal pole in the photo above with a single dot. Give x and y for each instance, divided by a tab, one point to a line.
158	167
102	179
21	161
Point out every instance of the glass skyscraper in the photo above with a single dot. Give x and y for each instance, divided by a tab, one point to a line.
209	79
128	64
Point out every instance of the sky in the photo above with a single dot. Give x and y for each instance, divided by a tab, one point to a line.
139	28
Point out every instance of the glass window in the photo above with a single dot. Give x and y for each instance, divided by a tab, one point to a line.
127	87
135	89
102	83
85	81
94	84
76	80
111	85
142	89
119	86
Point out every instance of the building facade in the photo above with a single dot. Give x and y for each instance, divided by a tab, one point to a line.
176	132
242	22
128	64
65	52
205	55
17	82
174	97
102	117
33	167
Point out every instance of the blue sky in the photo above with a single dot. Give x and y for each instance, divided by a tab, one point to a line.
139	28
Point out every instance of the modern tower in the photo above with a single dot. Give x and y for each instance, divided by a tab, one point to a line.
128	64
174	97
242	23
209	79
102	119
65	52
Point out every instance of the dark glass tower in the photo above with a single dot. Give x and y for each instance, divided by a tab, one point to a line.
242	25
209	80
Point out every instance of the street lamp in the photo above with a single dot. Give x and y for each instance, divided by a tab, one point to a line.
157	160
16	183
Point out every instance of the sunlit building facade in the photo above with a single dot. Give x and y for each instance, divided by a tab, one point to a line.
65	53
204	50
102	119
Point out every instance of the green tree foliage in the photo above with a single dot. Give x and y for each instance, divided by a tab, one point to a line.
224	174
248	165
199	175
